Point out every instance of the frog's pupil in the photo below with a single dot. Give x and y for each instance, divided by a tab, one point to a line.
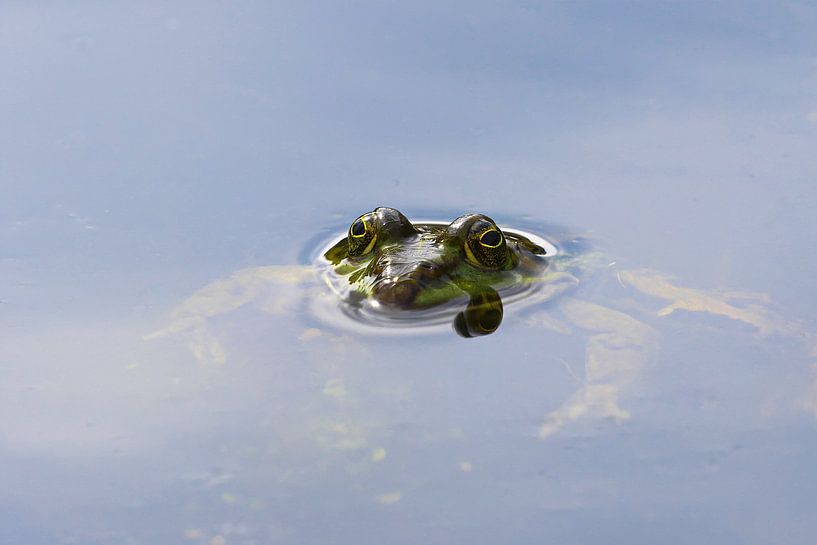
490	238
358	228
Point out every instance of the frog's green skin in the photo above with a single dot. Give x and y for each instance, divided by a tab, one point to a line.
409	270
401	266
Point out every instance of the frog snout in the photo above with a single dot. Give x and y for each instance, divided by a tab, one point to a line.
398	293
402	290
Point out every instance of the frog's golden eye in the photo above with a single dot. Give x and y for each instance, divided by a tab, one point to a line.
362	235
358	228
485	246
491	238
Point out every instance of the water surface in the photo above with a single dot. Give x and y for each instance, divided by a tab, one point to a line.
147	151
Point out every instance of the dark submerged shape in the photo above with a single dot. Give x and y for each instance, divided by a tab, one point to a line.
401	267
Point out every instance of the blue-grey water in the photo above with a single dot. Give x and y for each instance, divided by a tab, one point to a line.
148	150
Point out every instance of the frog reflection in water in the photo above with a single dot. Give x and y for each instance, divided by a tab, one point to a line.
391	271
399	266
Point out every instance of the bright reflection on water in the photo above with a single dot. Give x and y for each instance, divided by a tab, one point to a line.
148	151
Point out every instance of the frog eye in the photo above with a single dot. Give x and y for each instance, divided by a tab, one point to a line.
362	235
485	246
358	228
491	238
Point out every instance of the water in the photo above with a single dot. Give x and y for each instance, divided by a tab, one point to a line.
147	151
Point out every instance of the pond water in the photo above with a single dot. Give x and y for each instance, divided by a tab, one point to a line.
149	151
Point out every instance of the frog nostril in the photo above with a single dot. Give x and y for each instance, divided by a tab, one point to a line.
425	271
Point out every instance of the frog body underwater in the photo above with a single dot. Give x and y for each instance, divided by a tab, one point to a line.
388	271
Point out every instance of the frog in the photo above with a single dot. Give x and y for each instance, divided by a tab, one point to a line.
394	267
387	274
